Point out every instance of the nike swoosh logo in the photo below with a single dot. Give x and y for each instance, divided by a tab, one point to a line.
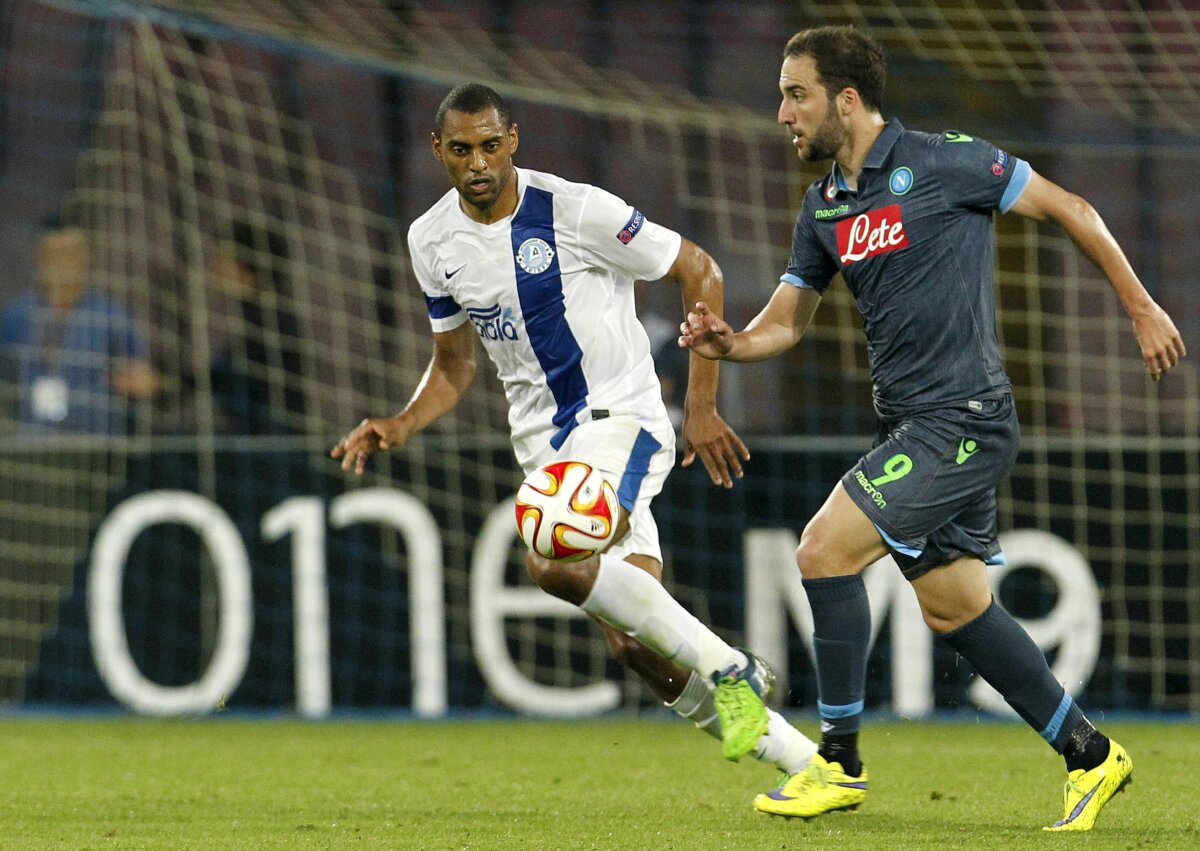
1083	802
450	274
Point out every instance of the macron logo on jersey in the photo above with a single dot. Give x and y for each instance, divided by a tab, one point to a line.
871	233
627	233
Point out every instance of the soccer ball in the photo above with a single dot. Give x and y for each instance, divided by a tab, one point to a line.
567	511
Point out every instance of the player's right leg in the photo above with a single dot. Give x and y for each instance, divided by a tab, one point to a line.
837	544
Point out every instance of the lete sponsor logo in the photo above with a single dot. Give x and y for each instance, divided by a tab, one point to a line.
870	233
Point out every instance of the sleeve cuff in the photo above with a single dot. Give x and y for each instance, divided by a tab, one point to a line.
672	255
447	323
1016	185
789	278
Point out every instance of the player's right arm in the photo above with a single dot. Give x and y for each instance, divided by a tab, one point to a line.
777	328
786	317
447	377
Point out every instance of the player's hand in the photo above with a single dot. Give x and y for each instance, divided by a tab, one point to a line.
368	437
721	451
1161	345
705	333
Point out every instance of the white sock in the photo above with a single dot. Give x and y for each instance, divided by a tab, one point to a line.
782	745
635	602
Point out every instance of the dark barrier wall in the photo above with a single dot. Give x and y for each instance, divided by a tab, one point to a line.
172	591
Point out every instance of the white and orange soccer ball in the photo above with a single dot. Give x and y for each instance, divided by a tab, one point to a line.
567	511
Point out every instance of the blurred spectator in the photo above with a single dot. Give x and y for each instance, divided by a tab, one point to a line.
73	356
256	375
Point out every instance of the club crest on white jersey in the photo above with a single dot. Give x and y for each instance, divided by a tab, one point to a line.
535	255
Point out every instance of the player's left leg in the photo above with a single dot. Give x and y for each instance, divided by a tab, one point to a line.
957	604
632	601
690	696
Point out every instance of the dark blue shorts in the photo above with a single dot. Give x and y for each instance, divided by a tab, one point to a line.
929	485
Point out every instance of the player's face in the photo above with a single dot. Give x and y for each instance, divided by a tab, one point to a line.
808	111
477	150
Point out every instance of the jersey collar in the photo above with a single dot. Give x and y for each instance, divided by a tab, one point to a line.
876	157
839	181
878	154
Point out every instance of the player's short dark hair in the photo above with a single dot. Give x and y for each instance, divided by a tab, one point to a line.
845	57
472	98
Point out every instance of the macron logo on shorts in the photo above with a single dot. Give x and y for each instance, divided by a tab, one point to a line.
871	233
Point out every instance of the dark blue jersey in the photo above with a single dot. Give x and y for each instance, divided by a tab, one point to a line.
916	245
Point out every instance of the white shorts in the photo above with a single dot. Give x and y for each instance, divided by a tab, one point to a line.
635	460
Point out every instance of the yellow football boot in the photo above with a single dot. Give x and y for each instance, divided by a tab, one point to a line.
823	787
1088	791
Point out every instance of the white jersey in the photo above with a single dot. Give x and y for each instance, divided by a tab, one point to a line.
550	293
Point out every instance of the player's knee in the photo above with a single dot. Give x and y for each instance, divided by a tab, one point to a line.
937	622
545	573
816	556
947	617
569	581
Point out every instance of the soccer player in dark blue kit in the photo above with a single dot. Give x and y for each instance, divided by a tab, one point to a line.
906	218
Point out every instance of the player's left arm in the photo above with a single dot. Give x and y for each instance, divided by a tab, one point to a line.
705	432
1041	199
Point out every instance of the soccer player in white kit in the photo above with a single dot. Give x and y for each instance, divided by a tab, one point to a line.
541	270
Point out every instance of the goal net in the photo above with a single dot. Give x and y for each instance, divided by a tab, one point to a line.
243	176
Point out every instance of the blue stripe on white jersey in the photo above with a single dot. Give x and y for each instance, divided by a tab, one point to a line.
542	305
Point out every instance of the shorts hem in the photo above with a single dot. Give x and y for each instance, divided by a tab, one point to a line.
916	568
868	507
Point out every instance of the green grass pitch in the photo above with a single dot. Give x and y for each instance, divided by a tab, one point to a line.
233	782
